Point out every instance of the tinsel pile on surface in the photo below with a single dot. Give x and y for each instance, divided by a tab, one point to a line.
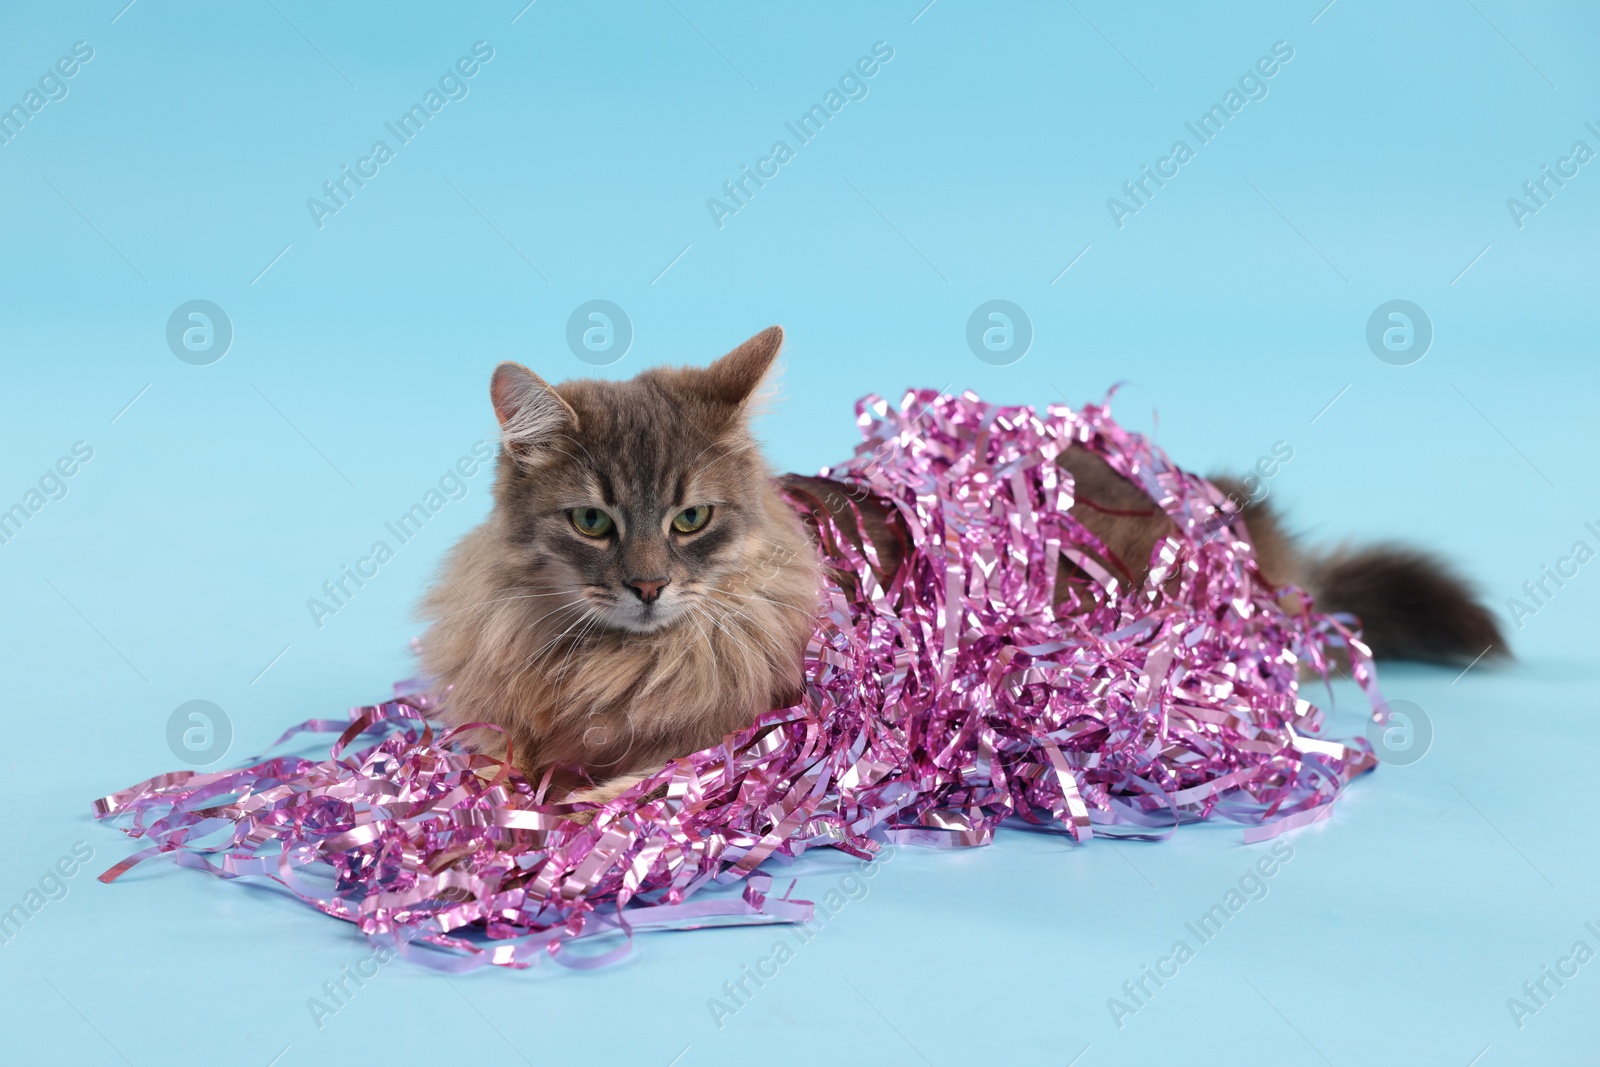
956	698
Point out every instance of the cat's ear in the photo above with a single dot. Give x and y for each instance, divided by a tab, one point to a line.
533	417
734	378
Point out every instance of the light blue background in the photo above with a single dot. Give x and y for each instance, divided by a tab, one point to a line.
1234	305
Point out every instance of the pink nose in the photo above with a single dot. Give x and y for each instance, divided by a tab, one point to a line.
647	590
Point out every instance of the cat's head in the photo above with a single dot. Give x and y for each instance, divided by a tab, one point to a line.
626	503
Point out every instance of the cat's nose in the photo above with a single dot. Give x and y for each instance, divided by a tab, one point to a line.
647	589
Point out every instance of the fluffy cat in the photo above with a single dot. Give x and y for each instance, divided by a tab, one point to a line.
642	588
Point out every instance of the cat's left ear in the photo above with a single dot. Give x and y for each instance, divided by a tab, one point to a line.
734	378
532	414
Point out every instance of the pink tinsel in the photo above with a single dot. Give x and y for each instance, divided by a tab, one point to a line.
938	707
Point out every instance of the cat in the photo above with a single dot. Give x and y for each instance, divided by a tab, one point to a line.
642	587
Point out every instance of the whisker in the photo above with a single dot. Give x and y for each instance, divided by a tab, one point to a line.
560	674
765	652
539	652
754	596
574	440
504	599
710	645
742	645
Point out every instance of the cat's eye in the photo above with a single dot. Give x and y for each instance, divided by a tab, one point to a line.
691	519
591	522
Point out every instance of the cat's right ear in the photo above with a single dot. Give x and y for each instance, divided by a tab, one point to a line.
735	377
533	417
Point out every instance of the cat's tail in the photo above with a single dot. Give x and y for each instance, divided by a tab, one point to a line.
1411	603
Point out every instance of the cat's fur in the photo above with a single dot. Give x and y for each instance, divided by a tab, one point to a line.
539	633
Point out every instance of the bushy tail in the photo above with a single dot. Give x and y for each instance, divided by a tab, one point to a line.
1412	604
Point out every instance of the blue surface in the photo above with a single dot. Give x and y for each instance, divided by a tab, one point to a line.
577	166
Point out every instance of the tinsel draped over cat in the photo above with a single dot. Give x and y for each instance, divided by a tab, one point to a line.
941	700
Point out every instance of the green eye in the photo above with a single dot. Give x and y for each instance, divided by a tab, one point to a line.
691	519
591	522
